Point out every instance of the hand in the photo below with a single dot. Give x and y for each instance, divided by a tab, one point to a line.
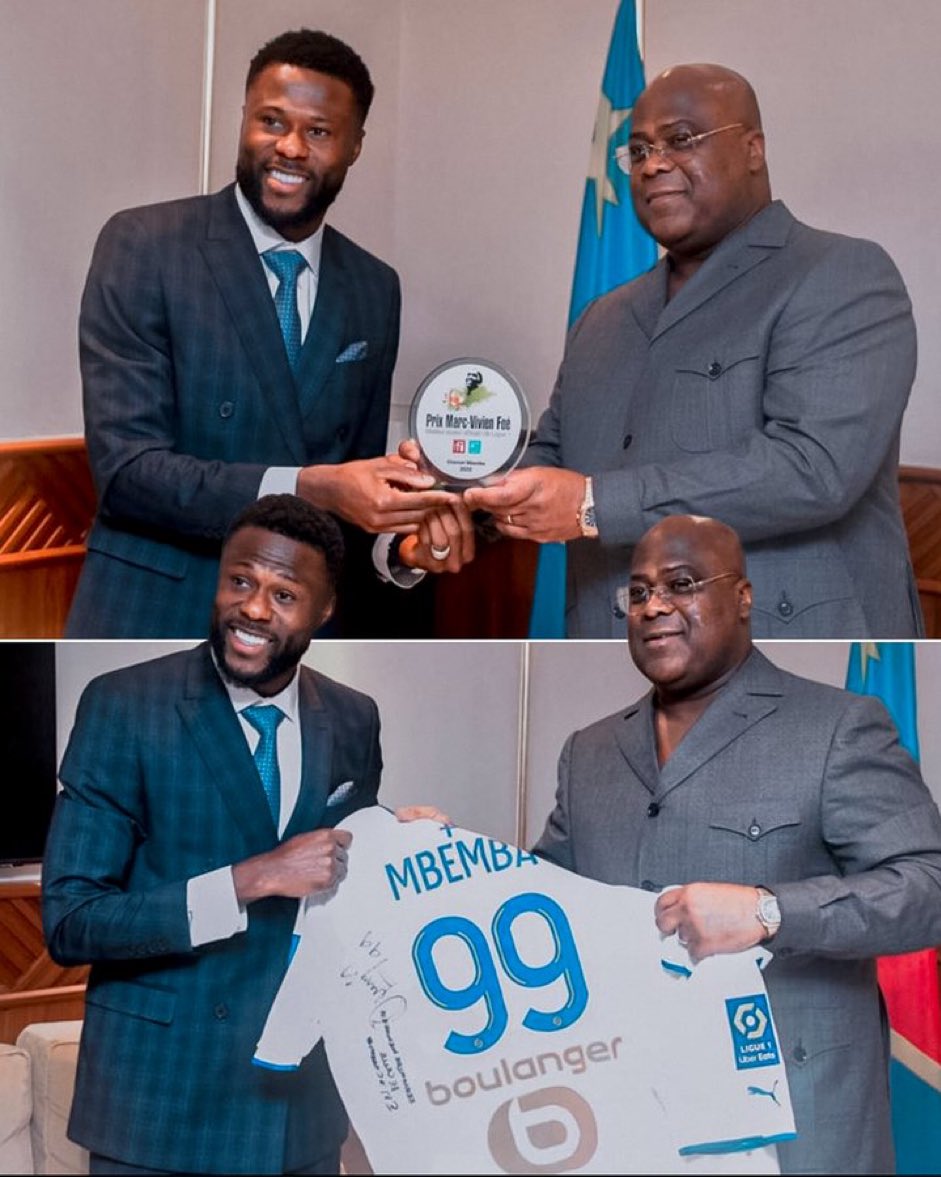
539	503
422	813
710	918
410	451
377	494
302	865
449	530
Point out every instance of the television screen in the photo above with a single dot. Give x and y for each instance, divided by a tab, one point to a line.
27	747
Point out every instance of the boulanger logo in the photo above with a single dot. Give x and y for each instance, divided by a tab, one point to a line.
752	1031
552	1130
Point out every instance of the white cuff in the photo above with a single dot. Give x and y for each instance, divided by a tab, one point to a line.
279	480
213	907
390	570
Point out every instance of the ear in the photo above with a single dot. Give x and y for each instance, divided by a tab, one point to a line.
755	151
357	148
744	599
328	612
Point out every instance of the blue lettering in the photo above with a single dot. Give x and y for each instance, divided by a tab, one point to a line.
403	880
430	874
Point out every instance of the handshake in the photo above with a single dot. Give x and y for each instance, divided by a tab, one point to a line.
393	494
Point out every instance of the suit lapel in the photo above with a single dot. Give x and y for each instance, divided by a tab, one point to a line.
650	297
233	262
213	726
734	257
316	758
752	694
635	738
325	335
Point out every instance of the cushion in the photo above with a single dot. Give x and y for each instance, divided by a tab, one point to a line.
53	1051
16	1153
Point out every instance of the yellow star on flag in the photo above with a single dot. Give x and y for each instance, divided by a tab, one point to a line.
608	122
868	650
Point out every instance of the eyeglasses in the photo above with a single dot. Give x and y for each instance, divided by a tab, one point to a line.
632	597
679	146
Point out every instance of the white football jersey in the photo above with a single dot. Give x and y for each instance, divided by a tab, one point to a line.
485	1011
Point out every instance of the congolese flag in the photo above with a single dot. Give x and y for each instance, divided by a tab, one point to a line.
612	248
910	982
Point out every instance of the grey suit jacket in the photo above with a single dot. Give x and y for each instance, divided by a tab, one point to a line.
803	788
189	397
159	786
767	393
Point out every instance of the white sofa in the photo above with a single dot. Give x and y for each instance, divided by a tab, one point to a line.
37	1077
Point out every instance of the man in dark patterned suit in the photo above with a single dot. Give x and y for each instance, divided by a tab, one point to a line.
172	871
233	345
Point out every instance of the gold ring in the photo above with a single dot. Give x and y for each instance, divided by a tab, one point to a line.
509	520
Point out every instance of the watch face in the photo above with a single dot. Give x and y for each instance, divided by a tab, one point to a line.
770	912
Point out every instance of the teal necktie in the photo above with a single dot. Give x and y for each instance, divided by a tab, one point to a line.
286	264
265	718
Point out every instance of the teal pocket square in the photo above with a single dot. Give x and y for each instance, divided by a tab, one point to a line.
356	351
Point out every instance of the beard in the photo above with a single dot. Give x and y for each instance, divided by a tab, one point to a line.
283	657
322	195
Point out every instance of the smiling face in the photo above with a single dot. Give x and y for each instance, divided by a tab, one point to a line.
690	203
272	594
688	647
301	131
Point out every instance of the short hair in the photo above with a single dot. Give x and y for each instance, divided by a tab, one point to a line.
316	50
296	519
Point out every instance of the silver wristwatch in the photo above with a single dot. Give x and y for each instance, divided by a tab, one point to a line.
586	513
767	911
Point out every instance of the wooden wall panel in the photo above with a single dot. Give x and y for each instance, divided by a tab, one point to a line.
33	988
47	503
920	493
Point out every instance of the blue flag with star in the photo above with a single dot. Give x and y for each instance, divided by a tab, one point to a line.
909	982
612	249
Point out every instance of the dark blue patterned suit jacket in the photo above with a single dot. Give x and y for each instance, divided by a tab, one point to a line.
189	397
159	786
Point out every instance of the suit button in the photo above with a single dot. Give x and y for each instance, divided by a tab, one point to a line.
785	608
653	809
800	1054
714	370
226	409
342	432
221	1012
647	885
754	831
628	438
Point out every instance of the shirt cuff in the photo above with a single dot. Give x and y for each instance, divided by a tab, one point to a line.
213	907
385	561
279	480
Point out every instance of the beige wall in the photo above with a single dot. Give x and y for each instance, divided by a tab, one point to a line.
472	173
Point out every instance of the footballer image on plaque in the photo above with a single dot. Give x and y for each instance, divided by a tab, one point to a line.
471	421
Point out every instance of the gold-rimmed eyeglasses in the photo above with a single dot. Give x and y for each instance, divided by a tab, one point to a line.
632	597
680	145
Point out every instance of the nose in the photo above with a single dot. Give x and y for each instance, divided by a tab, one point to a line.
656	605
255	605
292	144
659	160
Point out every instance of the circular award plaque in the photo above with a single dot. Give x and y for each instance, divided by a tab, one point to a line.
471	421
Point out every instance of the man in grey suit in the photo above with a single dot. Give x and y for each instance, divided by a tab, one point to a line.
758	374
200	795
787	812
233	345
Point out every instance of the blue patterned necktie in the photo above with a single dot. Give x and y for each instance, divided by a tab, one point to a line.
265	718
286	264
